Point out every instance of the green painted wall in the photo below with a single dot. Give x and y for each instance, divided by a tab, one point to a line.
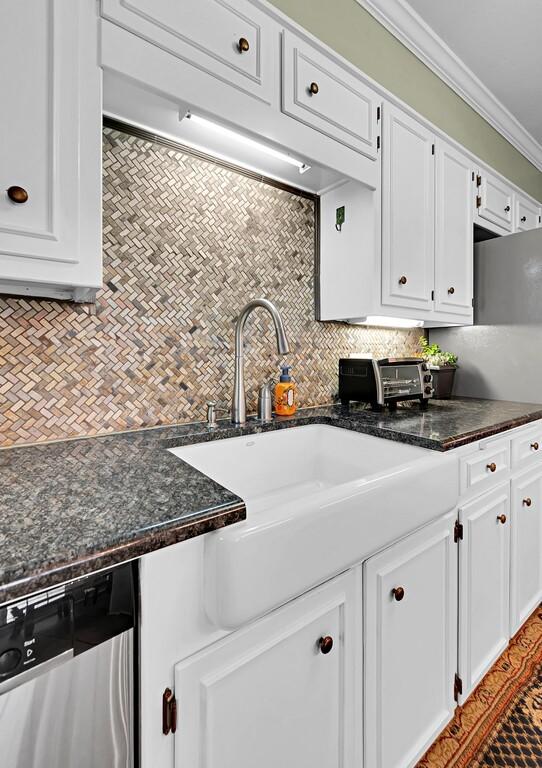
351	31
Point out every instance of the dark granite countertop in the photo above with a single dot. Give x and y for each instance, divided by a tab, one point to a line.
75	506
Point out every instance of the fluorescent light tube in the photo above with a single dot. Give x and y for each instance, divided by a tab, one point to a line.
256	145
389	322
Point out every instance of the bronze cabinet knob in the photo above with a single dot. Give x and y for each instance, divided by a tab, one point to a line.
325	644
17	194
398	593
492	467
527	501
403	280
501	519
243	45
314	88
451	289
507	208
523	218
535	446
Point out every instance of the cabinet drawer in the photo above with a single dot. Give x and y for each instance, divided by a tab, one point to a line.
494	204
527	448
231	41
486	467
527	214
320	93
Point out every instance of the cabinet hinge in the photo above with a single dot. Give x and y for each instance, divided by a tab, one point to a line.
432	149
169	712
432	295
473	175
540	219
378	114
478	180
458	531
378	142
458	687
478	201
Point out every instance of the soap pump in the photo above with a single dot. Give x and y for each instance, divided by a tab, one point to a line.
285	393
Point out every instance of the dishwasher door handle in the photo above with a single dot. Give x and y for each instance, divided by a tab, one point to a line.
32	672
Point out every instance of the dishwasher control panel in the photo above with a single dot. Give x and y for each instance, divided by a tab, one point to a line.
65	620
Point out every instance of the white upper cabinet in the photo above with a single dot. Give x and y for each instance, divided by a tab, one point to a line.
232	41
285	691
324	95
484	585
408	200
50	150
410	630
453	232
493	203
527	214
526	547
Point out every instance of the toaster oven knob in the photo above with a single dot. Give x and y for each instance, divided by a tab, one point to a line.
428	378
428	390
424	366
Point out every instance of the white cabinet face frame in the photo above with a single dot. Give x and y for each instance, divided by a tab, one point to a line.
495	208
266	695
210	34
526	547
323	95
408	219
410	645
453	232
484	585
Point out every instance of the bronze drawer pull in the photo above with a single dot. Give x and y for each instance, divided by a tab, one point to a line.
325	644
528	501
17	194
314	88
523	218
535	446
243	45
398	593
492	467
451	290
403	280
506	209
501	519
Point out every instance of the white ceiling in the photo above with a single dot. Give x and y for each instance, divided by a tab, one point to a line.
489	51
501	43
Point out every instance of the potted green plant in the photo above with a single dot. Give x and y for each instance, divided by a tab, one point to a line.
442	365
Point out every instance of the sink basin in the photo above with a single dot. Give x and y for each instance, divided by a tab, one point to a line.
319	499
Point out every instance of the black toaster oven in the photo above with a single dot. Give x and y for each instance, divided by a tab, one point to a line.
384	382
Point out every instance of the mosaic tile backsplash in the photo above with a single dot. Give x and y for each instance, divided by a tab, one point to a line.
186	244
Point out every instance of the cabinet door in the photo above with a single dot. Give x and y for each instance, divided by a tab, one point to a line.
453	232
527	214
50	144
232	41
269	695
484	577
526	547
493	203
410	645
408	199
319	92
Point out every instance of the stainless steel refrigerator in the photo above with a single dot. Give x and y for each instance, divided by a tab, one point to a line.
500	357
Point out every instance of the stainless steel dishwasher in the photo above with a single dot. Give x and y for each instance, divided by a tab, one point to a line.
66	675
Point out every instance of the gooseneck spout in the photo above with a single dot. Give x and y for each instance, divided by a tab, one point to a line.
238	406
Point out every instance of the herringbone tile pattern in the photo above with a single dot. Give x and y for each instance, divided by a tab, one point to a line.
186	244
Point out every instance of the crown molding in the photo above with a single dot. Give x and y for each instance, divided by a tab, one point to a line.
409	28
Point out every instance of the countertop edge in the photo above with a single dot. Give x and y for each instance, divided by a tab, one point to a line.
143	544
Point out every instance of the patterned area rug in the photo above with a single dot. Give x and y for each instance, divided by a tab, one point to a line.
501	723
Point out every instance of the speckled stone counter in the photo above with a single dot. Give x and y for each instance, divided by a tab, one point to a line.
72	507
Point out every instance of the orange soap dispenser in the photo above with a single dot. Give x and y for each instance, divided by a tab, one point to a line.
285	393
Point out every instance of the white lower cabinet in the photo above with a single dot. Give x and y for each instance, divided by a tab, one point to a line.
526	547
484	579
285	691
410	632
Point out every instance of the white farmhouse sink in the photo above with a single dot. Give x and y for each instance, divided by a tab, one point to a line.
319	499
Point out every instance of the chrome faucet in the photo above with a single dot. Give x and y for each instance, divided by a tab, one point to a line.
238	405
